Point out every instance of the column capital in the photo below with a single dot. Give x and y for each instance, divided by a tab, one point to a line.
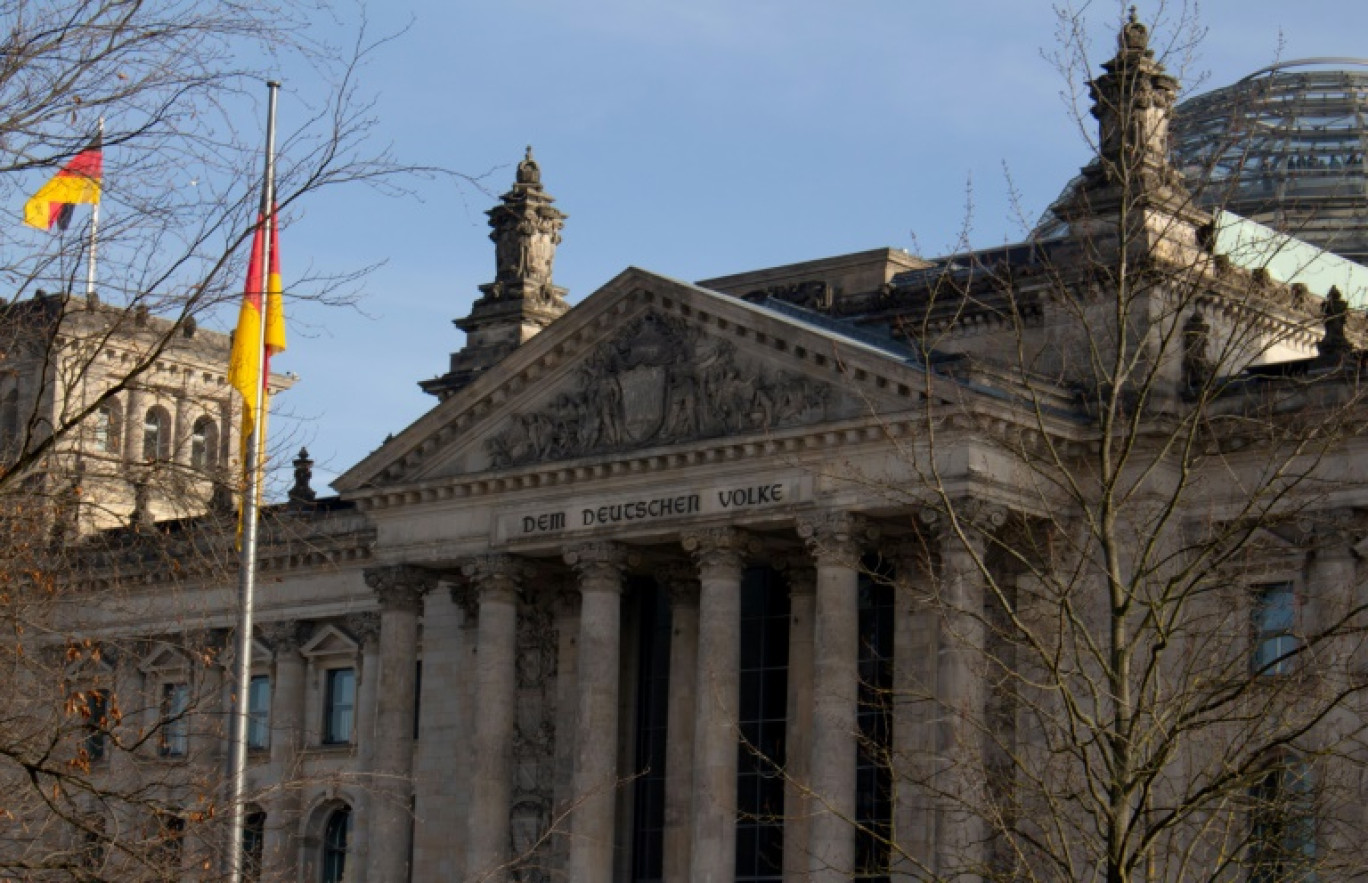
495	576
802	581
400	586
836	537
603	561
284	636
717	547
365	626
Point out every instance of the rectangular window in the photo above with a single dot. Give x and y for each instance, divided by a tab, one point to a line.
175	726
96	722
1275	620
762	713
259	712
340	705
1282	846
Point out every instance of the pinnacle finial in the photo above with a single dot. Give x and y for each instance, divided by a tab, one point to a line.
1134	35
528	170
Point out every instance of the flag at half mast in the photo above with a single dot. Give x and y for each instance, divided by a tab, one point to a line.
76	182
249	368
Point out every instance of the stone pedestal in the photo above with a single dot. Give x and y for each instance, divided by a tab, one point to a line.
713	839
599	567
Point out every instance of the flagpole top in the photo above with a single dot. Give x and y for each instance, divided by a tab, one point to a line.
272	84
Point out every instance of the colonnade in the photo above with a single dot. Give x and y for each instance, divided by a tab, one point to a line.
702	711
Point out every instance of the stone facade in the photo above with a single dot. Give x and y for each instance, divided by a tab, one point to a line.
759	581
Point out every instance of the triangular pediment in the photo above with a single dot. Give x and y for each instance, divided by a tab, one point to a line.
646	362
329	640
164	658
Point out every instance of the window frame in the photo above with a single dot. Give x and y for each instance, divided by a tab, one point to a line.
173	734
1275	639
259	716
332	708
156	440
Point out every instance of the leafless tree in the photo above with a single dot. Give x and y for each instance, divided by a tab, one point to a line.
1139	547
108	747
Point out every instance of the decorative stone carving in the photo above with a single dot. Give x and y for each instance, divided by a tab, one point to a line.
680	582
814	294
601	562
284	637
400	585
534	733
660	381
717	547
525	230
365	627
836	537
492	574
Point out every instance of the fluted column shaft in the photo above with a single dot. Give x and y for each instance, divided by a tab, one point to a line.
682	585
914	731
599	567
802	583
287	738
713	839
496	581
400	590
835	695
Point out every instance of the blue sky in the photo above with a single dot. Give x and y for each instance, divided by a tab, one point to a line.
698	139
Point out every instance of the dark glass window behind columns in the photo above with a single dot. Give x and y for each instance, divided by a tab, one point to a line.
652	706
764	712
873	788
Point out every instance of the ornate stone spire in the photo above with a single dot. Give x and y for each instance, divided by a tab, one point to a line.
1133	104
522	299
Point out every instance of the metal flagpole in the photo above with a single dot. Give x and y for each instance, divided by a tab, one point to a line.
250	499
94	226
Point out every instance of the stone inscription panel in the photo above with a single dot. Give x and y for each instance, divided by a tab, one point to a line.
654	506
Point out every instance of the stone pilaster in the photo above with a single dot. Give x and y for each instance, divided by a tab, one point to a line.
802	583
835	542
287	740
599	567
400	590
134	418
720	556
496	579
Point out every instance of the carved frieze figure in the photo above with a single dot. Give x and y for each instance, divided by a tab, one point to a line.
658	382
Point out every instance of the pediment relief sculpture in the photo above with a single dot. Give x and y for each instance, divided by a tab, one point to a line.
660	381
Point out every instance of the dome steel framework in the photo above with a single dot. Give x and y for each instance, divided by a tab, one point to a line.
1285	146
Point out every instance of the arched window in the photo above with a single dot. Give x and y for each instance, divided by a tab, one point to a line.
107	428
157	434
1283	823
335	837
203	444
253	844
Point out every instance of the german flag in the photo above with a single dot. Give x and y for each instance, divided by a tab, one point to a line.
250	366
77	182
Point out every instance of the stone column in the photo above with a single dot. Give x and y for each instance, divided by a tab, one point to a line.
961	850
287	740
496	579
834	541
366	628
914	727
134	417
180	431
802	582
442	788
682	585
599	567
400	590
718	553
